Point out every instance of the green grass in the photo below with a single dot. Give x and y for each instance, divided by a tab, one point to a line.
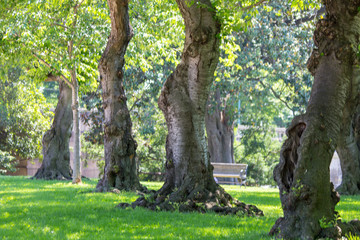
34	209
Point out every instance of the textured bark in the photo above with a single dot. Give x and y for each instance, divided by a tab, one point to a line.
120	166
188	178
303	176
220	136
76	129
56	155
348	150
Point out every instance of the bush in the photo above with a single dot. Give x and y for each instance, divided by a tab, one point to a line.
7	163
24	115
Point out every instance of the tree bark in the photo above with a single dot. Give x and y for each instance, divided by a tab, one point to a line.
348	150
76	129
120	148
220	136
303	175
56	161
189	180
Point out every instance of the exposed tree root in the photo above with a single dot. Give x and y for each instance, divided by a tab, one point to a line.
54	174
198	200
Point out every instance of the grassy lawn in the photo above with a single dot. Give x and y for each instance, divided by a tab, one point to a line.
34	209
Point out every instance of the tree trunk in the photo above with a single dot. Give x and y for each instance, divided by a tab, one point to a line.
303	175
120	166
56	161
220	136
349	154
189	180
75	109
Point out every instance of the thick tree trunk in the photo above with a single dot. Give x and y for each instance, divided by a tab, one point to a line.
76	129
120	165
303	176
348	150
56	155
188	179
220	136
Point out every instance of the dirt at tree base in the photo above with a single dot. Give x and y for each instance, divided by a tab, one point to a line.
51	175
201	201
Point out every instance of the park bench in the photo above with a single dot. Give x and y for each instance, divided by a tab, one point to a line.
230	170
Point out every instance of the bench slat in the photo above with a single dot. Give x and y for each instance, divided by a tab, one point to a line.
230	170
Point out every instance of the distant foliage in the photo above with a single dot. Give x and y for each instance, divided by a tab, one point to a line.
93	152
7	163
24	115
260	150
151	139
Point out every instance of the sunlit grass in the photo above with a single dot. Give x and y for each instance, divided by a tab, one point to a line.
34	209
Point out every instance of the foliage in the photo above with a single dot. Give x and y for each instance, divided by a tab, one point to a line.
57	37
92	152
50	90
151	128
259	149
24	115
158	35
7	163
93	116
151	56
67	206
352	237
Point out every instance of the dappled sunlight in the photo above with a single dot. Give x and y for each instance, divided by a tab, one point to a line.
60	210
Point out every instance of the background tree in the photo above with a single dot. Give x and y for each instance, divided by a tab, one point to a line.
348	149
262	82
61	39
303	176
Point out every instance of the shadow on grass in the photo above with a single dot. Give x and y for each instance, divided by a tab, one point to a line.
36	209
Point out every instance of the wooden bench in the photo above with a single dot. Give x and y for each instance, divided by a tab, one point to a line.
230	170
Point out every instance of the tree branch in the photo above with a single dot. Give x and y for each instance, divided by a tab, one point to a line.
273	91
60	25
299	21
253	5
49	66
136	101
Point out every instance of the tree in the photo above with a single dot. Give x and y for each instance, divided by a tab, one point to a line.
220	134
303	176
59	39
188	179
348	149
120	147
55	142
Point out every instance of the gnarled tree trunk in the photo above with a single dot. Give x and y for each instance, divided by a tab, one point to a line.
188	179
56	155
348	150
303	176
120	166
220	136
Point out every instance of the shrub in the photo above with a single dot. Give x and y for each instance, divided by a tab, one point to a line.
7	163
